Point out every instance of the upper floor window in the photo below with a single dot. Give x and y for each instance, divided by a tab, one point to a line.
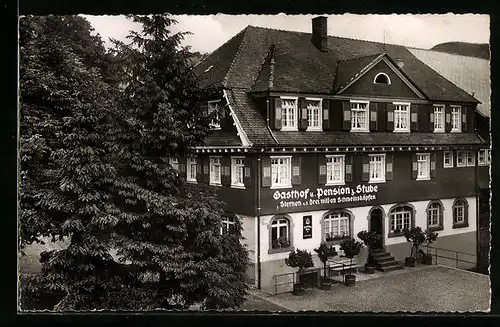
174	162
215	170
456	119
423	166
191	169
482	157
438	118
461	159
237	171
336	226
214	114
228	225
401	117
281	171
289	113
335	169
400	218
359	116
448	159
377	168
382	78
314	114
471	158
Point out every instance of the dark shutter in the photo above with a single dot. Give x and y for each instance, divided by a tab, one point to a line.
447	119
413	118
247	172
389	167
464	119
182	168
199	170
365	177
373	116
414	166
206	170
390	117
277	113
266	171
326	114
433	165
431	120
296	170
225	177
321	169
302	114
470	120
348	168
346	117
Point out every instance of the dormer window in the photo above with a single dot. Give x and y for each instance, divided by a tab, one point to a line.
289	113
382	78
214	114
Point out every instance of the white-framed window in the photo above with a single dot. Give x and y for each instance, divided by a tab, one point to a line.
214	114
461	157
482	157
459	212
401	117
289	113
174	162
237	171
377	168
314	114
336	226
359	116
456	119
215	170
439	118
281	172
434	215
471	159
335	169
400	218
280	233
448	159
227	225
423	166
191	169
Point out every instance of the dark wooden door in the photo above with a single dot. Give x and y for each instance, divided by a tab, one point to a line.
376	225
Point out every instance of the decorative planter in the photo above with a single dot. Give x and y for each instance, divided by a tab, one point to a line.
350	280
410	262
298	289
427	259
369	269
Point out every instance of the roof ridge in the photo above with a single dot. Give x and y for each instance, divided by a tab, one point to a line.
219	47
269	59
271	69
375	55
226	77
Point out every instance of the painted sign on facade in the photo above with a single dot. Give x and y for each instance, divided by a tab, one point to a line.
325	195
307	227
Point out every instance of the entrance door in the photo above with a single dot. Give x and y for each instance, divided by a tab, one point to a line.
376	224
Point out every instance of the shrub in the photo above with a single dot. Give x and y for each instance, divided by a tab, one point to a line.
415	236
325	252
351	248
300	259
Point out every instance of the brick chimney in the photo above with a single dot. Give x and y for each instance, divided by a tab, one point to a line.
319	36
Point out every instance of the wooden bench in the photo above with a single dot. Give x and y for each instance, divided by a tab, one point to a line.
343	265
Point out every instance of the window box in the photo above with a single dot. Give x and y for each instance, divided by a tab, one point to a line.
336	239
396	233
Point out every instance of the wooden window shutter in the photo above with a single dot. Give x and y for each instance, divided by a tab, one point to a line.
302	114
348	168
206	170
433	165
225	177
413	118
365	177
277	113
390	117
182	167
414	168
199	170
470	119
326	114
266	171
464	119
346	121
296	170
373	116
321	169
389	166
431	120
247	172
447	120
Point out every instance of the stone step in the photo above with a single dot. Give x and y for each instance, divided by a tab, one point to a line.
384	259
377	251
387	263
396	266
381	255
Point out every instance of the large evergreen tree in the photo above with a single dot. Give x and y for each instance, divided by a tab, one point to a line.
172	237
65	109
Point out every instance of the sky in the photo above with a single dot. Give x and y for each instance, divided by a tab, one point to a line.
418	31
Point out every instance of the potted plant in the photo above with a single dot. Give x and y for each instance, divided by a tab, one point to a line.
371	240
430	237
300	259
415	236
351	248
325	252
281	243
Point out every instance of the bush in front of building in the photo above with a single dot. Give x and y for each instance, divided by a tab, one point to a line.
371	240
351	248
325	252
416	237
430	237
300	259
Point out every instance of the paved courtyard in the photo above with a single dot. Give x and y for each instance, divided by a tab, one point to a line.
428	288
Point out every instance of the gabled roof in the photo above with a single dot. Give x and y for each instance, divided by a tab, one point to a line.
265	80
348	70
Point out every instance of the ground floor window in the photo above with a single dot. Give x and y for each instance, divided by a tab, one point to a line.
400	218
435	215
460	213
280	233
336	226
228	225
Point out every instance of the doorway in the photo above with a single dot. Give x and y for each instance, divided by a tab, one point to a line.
376	225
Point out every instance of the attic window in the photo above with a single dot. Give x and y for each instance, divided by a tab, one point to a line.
382	78
206	70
